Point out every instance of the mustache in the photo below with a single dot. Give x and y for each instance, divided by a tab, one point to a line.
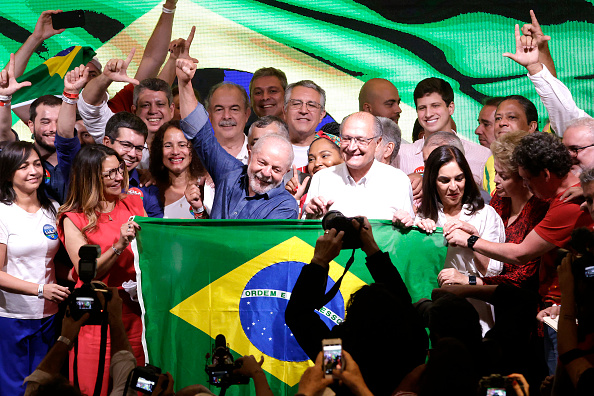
227	123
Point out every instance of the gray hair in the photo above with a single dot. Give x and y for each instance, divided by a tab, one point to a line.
587	176
376	128
263	122
227	84
444	138
152	84
306	84
587	122
391	133
276	140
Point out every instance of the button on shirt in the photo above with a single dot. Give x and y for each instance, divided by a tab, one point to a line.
381	192
232	200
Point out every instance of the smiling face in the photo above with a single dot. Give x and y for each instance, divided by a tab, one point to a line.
486	128
450	185
322	154
574	139
510	117
267	96
433	113
507	183
29	175
154	109
358	156
177	154
44	127
123	146
228	112
267	165
112	188
301	120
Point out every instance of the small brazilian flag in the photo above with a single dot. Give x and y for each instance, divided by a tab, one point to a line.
48	78
198	279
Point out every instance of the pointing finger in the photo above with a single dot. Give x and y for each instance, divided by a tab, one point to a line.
130	56
191	36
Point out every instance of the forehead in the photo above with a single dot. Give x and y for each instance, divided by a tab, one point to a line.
92	68
306	94
147	95
511	106
268	129
227	95
110	162
431	98
174	134
588	189
276	154
576	134
266	82
385	91
450	169
358	127
130	135
45	111
322	144
487	112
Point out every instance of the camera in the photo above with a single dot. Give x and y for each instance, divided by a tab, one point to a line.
338	221
220	372
144	379
496	385
84	298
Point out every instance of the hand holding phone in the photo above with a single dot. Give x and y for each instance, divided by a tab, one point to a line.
332	349
68	19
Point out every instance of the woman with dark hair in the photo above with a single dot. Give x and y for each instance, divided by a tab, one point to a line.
29	295
451	199
176	169
96	212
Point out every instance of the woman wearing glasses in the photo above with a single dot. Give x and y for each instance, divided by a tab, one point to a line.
177	172
96	212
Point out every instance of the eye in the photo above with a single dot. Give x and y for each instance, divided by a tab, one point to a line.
310	159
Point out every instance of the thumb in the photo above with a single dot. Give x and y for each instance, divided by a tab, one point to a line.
295	170
329	203
306	180
545	38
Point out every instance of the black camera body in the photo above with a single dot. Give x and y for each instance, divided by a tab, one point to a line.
338	221
496	385
220	372
144	379
84	299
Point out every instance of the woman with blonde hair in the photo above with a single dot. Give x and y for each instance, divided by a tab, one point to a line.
97	212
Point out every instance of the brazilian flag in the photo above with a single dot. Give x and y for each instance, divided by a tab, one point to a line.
48	78
198	279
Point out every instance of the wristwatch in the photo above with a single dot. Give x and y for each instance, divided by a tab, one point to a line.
471	241
472	280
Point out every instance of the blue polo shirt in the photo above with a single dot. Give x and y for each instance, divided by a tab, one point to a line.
57	178
149	195
232	200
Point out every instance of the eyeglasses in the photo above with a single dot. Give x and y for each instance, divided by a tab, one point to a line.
181	145
112	172
297	104
128	146
576	150
361	142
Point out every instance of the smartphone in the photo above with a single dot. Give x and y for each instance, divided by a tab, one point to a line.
68	19
332	349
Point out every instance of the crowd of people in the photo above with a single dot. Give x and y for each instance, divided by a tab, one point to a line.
507	207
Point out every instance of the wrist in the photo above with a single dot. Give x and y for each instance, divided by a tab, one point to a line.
321	262
534	68
40	290
119	246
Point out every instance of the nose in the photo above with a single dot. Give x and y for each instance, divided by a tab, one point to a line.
266	171
119	176
265	95
226	114
352	145
153	108
318	162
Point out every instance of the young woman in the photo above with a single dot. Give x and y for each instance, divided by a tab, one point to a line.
29	295
175	169
97	212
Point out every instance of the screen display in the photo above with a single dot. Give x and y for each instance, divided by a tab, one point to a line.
332	358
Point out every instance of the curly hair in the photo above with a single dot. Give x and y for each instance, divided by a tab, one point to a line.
503	149
540	150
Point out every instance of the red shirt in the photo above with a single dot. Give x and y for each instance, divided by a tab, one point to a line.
122	101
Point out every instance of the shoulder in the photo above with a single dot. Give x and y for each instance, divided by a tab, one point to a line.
133	202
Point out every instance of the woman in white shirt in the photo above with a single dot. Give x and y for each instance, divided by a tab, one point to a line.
175	167
29	295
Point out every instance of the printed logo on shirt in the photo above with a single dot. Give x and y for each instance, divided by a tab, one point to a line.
420	169
47	177
136	191
50	232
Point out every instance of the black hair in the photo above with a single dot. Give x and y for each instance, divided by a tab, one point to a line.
124	119
437	85
540	150
529	108
48	100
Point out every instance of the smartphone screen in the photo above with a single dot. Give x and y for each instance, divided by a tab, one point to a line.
145	384
332	357
496	392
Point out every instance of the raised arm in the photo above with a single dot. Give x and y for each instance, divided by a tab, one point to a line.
8	86
74	81
542	42
178	49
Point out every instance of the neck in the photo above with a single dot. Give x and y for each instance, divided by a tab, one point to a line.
358	174
569	180
27	201
149	138
519	200
179	179
107	206
452	211
301	139
232	145
48	156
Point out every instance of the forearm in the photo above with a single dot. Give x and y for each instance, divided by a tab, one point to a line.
5	124
511	253
261	384
54	360
94	92
119	338
23	55
18	286
187	99
66	120
545	58
167	74
567	330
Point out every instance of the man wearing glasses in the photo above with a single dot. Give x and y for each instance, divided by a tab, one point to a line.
126	133
304	109
361	186
579	140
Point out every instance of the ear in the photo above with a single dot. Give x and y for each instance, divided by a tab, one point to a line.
547	175
106	141
248	112
31	125
367	107
389	150
322	115
533	126
451	108
133	108
172	109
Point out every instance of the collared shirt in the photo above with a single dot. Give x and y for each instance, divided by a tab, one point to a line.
410	158
381	192
57	178
232	200
149	195
557	100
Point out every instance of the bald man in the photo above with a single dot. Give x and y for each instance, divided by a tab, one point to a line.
380	97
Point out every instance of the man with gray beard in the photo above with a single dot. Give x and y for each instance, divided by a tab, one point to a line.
228	109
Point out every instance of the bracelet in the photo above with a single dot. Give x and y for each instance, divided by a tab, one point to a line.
5	98
68	100
4	103
168	10
40	290
66	341
116	251
70	95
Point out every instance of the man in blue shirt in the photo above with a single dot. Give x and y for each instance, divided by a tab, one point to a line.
255	191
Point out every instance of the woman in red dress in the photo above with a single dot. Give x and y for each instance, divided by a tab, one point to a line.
96	212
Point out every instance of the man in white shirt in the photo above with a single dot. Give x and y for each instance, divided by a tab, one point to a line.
361	186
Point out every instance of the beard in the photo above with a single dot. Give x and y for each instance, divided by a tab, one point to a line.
46	146
261	184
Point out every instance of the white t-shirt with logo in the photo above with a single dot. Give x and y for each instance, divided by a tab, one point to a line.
31	241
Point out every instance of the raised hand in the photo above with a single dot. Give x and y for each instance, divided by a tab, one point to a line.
76	79
180	48
8	83
194	194
534	30
526	50
44	28
185	69
294	187
117	69
318	207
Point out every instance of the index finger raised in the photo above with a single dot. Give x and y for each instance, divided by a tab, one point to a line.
191	36
130	56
